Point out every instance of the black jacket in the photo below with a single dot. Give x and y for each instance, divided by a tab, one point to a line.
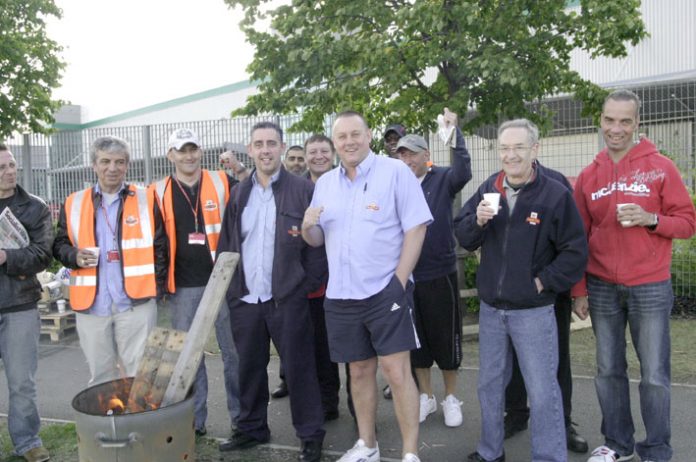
543	238
18	283
440	186
66	253
296	265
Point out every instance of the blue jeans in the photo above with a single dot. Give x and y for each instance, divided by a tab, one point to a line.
183	305
533	334
19	348
646	309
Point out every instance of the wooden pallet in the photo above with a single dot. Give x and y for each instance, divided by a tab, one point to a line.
57	325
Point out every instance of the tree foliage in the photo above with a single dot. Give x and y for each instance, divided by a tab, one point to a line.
372	56
29	66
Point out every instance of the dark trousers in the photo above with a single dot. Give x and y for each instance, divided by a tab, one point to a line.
516	393
327	371
289	325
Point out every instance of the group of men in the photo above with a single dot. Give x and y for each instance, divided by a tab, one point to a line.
323	295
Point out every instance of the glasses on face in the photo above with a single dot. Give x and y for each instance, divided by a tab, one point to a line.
518	149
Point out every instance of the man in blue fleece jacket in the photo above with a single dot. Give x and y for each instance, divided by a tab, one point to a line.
532	247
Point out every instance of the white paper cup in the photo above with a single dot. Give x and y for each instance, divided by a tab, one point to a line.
95	251
618	208
61	305
494	200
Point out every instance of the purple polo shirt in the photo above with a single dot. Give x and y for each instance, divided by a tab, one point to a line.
111	295
364	222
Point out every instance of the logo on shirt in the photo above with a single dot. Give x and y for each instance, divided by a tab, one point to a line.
131	220
294	232
372	206
395	307
209	206
533	219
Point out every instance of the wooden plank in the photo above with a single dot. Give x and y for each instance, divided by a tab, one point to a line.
206	314
468	293
161	353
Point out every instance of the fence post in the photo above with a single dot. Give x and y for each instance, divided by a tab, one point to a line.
147	154
27	172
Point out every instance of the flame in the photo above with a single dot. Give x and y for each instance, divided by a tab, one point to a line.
115	401
116	406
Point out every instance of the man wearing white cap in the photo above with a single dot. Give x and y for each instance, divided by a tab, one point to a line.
436	296
193	201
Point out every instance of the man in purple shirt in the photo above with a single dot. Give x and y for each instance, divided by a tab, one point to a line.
371	215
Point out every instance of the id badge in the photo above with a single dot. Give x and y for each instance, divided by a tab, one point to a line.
112	255
196	239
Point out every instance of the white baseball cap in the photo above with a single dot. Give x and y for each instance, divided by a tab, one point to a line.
182	136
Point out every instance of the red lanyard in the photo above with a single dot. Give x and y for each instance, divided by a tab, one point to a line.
186	196
111	228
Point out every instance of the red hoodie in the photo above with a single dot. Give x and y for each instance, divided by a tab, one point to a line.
635	255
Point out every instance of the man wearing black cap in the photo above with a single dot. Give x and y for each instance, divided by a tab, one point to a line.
437	315
392	135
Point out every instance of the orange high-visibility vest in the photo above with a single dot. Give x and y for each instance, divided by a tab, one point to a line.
137	245
215	192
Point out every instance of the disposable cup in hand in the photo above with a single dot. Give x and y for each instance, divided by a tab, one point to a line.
494	200
618	208
94	251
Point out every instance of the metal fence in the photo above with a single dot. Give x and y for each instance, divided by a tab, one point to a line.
59	164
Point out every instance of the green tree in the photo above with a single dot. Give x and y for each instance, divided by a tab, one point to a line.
494	55
30	67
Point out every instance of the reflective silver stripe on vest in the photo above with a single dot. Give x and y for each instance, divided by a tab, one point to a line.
145	223
160	187
212	254
83	280
139	270
75	215
213	228
220	191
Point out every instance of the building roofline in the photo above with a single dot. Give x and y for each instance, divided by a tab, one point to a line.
231	88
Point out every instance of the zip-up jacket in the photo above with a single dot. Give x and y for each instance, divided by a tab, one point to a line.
634	255
296	266
65	249
542	238
440	186
18	283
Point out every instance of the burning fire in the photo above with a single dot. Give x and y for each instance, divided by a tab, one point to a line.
121	399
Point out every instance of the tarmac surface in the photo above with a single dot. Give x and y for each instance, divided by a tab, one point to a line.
62	373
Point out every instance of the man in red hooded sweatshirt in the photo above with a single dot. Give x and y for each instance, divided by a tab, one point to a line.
633	202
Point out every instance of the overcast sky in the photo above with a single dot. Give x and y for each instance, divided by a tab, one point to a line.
125	54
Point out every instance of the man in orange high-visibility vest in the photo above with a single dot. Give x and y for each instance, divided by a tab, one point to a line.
112	237
193	201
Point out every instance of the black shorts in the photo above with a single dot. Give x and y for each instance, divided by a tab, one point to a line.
379	325
438	323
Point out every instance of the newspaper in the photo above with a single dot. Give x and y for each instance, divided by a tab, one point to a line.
12	233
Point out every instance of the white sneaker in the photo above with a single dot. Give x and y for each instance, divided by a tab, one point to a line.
606	454
361	453
410	457
452	408
427	406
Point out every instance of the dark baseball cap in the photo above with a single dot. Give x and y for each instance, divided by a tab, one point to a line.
397	128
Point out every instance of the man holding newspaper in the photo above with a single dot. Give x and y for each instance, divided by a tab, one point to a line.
26	236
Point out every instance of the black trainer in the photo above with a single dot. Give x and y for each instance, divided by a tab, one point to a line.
576	443
514	426
239	440
281	390
476	457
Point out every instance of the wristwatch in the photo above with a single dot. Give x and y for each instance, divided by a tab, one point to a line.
654	222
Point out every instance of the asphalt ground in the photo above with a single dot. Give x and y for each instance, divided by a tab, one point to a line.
62	373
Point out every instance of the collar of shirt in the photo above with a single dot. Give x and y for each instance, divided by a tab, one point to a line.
274	178
363	168
98	191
